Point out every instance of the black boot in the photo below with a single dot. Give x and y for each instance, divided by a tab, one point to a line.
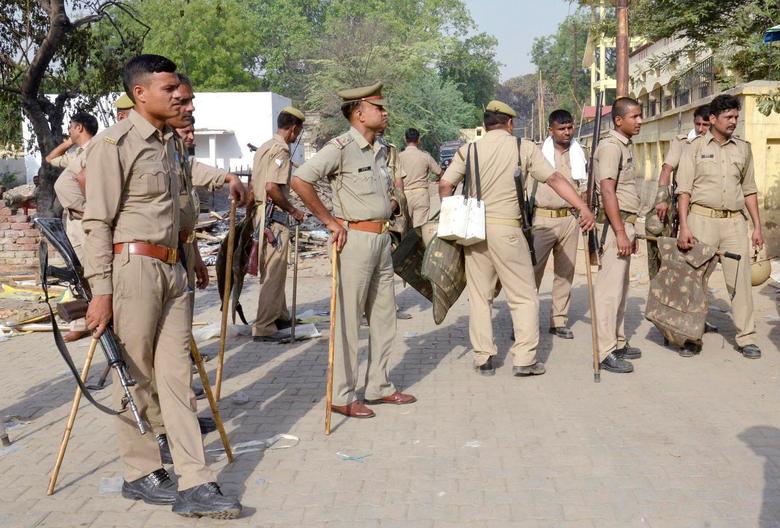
155	488
206	500
628	352
487	368
165	449
613	363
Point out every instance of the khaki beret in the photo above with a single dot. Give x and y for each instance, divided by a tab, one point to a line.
371	94
294	112
501	108
124	103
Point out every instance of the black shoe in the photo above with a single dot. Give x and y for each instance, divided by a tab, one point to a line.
165	449
281	324
537	369
562	332
689	350
273	338
155	488
710	328
487	368
206	500
612	363
207	425
750	351
628	352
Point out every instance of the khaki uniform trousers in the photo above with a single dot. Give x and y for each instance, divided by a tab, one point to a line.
76	237
731	234
419	203
365	285
153	413
559	235
611	293
503	256
272	302
152	319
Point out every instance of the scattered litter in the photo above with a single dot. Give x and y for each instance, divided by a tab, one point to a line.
259	482
310	316
11	449
319	234
239	398
408	335
260	445
110	484
473	443
213	330
15	422
304	331
353	458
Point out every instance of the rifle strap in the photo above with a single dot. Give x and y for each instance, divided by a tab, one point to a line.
62	347
521	189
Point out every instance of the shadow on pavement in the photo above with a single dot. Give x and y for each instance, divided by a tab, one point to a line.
765	442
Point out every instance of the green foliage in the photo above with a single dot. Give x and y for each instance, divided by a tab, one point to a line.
732	29
559	58
471	64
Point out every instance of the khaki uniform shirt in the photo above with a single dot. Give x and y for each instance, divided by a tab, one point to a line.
66	159
615	153
358	175
717	176
135	197
417	164
67	187
193	173
498	161
675	151
546	197
272	164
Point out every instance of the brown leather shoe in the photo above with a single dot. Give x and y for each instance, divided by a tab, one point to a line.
355	409
75	335
396	398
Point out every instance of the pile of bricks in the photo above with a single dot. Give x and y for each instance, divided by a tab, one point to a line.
18	242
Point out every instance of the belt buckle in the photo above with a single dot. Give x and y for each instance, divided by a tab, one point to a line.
172	257
385	227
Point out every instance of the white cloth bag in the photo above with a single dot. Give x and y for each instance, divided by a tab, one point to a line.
462	218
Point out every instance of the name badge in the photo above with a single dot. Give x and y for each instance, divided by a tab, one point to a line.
707	156
363	169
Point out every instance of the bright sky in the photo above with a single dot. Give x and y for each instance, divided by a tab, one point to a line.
515	23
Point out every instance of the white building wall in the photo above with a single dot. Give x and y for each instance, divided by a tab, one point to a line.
224	123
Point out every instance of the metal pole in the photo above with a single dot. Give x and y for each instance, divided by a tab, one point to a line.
622	48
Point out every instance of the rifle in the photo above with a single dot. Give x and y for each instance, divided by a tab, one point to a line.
73	273
526	207
272	215
591	198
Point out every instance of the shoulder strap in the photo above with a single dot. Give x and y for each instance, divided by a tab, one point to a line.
476	174
467	175
520	172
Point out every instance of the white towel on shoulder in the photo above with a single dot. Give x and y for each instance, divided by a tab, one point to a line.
576	158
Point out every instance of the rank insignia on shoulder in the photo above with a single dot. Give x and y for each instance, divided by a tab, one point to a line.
109	140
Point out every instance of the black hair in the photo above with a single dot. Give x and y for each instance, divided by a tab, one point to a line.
142	65
562	117
412	135
88	121
184	80
493	119
724	103
703	111
285	120
622	105
348	108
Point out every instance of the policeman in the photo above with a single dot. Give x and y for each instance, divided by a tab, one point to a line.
618	188
271	173
554	225
417	164
69	188
504	255
701	124
81	128
715	184
131	226
356	166
123	106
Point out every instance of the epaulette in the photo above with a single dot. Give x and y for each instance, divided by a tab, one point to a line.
682	137
341	141
115	132
741	140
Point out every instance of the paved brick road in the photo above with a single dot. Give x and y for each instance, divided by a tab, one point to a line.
679	443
